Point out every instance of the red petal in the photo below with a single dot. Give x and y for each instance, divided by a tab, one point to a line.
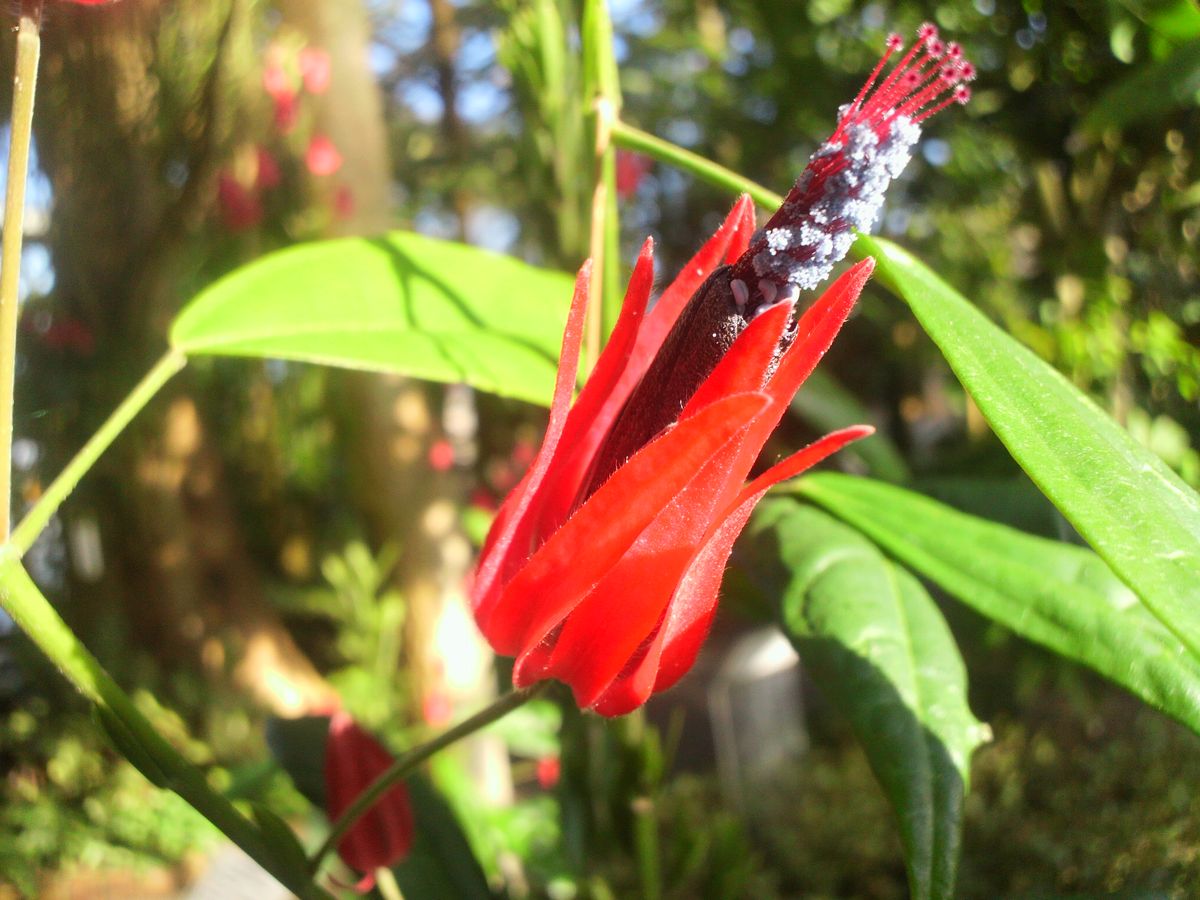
672	651
726	245
507	543
601	399
589	543
816	330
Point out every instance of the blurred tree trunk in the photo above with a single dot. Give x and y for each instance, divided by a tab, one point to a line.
130	132
389	424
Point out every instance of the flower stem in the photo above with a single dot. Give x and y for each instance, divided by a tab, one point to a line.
24	87
129	730
625	135
36	519
407	762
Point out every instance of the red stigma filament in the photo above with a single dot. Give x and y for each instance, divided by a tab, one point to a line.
927	79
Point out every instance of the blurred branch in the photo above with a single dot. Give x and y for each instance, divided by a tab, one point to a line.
36	519
625	135
29	46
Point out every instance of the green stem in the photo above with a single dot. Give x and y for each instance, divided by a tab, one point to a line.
602	96
625	135
129	729
24	87
36	519
407	762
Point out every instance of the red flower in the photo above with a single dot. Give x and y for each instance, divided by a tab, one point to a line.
602	567
549	770
631	167
240	207
315	69
383	836
322	156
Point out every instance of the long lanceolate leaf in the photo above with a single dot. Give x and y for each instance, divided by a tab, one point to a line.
878	646
1134	511
1061	596
401	303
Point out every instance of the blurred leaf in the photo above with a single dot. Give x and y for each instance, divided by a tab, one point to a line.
1134	511
1149	91
879	647
1058	595
402	303
281	841
823	402
299	746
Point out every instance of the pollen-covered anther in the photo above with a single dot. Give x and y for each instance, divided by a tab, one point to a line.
842	188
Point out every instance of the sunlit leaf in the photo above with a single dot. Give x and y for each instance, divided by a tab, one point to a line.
402	303
1134	511
1058	595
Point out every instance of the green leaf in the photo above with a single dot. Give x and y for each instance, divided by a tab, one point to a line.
441	862
1134	511
280	840
1058	595
1149	91
402	303
881	650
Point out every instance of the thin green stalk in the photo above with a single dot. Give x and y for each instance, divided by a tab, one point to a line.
24	87
130	730
36	519
625	135
602	95
645	837
407	762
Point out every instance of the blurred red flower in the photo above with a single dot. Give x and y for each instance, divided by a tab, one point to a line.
383	836
549	768
315	69
631	167
322	157
267	174
240	207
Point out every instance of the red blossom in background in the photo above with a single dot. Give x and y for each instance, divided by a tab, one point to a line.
267	173
322	157
549	769
631	168
315	69
383	836
603	565
240	207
